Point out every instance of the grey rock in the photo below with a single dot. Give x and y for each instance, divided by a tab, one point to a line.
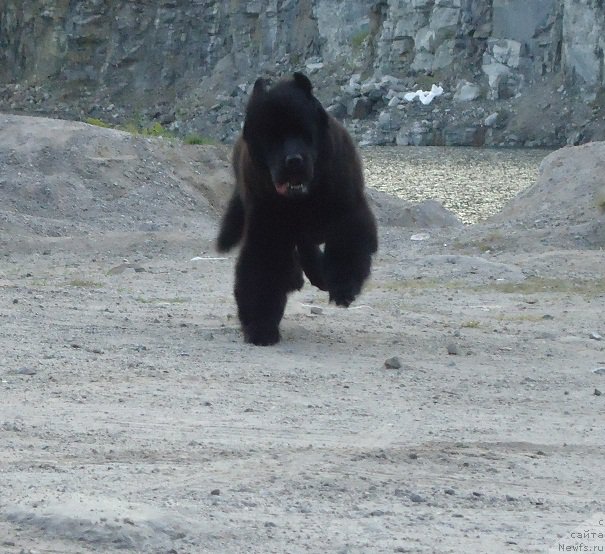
384	120
497	75
492	120
464	135
361	108
504	51
466	92
453	349
392	363
24	371
338	110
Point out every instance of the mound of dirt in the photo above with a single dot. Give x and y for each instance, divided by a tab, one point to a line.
565	205
61	178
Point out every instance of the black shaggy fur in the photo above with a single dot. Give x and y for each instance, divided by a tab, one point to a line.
299	185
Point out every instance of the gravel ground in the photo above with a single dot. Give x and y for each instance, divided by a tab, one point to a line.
456	407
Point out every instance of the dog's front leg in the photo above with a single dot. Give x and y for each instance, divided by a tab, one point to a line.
350	243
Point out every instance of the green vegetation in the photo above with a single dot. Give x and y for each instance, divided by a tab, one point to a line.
358	39
425	82
601	199
534	285
137	126
97	122
174	300
198	139
84	283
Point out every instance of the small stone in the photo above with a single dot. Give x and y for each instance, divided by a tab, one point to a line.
453	349
548	317
15	301
25	371
392	363
451	492
595	336
215	492
270	524
510	498
491	120
377	513
599	371
316	310
413	456
597	392
417	498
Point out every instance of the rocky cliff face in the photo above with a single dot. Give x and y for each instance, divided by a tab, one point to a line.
513	72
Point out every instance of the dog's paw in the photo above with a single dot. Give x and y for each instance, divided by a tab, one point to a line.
261	335
343	296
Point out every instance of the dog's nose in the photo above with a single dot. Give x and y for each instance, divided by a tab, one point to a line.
294	161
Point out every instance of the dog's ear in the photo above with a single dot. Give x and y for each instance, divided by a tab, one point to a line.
259	88
303	82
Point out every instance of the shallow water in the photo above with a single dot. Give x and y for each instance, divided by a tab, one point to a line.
472	182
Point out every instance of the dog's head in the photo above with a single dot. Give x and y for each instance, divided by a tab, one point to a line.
284	130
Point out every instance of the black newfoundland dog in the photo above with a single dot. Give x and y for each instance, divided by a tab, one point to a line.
299	185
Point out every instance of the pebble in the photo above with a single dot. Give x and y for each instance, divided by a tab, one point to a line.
453	349
215	492
417	498
117	270
392	363
451	492
595	336
25	371
597	392
599	370
316	310
377	513
270	524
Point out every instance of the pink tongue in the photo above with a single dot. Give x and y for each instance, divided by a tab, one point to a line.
282	188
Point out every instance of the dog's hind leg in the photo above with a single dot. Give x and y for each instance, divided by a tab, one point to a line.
232	224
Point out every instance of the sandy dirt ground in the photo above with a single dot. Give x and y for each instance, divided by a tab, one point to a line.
134	418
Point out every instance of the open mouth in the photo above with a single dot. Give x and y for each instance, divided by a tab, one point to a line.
291	188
